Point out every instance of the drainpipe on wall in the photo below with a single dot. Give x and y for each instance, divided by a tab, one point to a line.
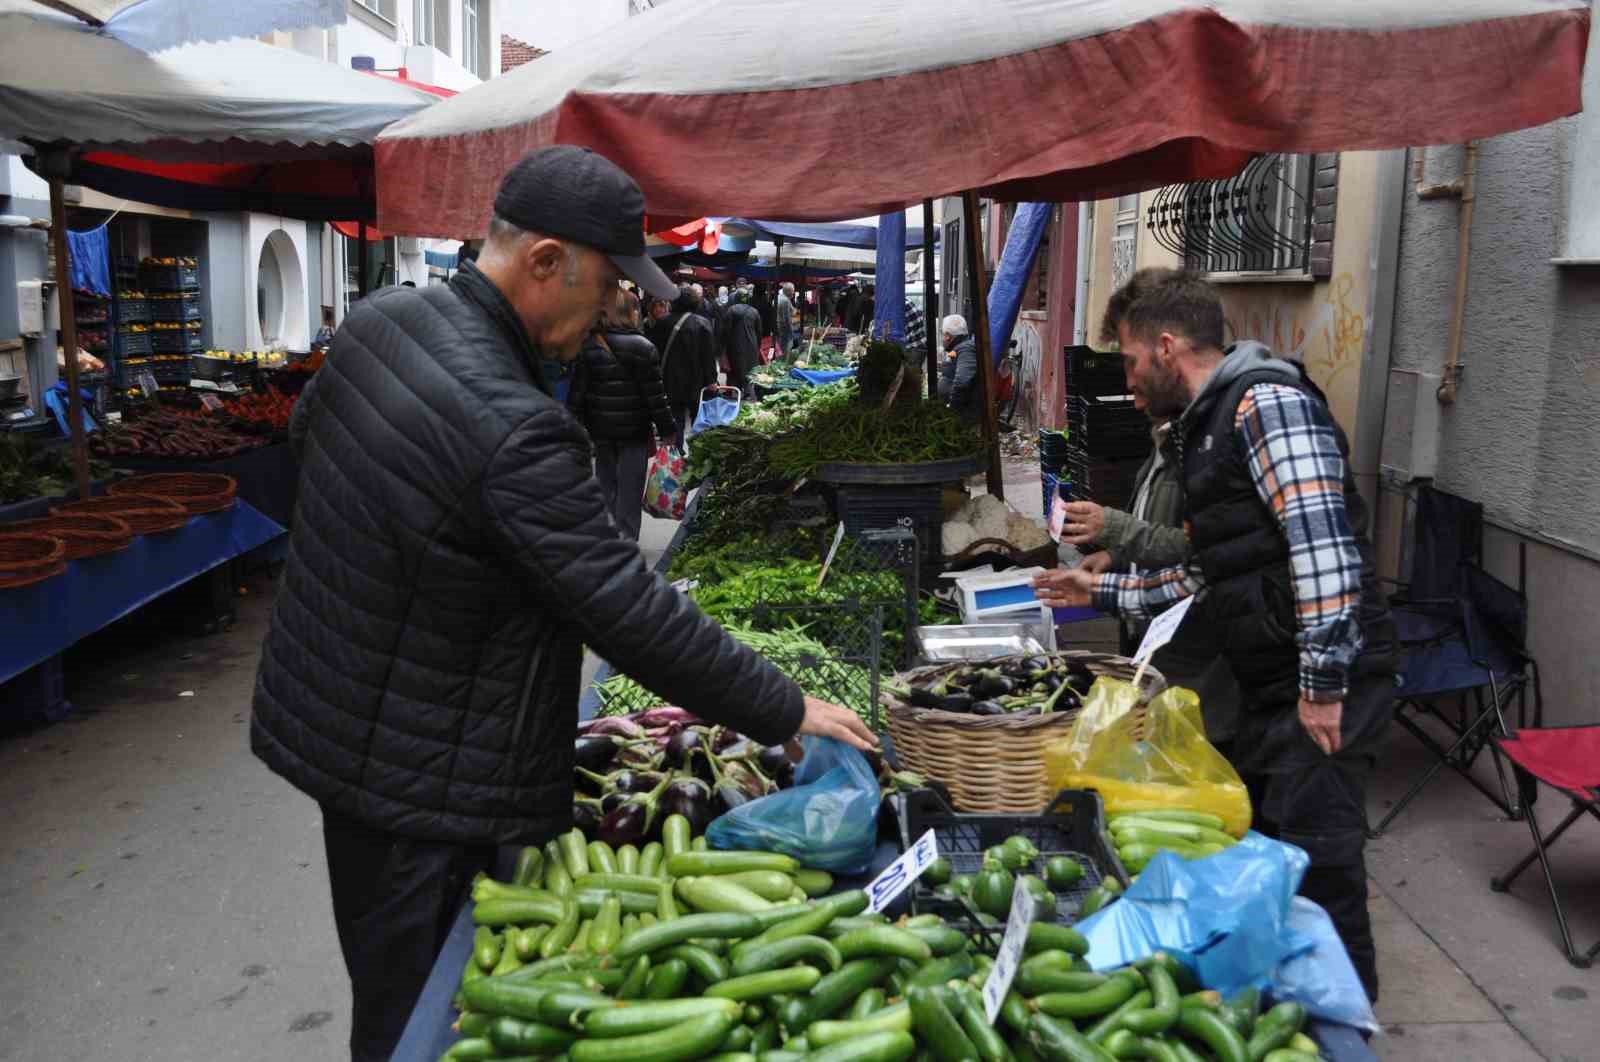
1383	263
1464	189
1080	298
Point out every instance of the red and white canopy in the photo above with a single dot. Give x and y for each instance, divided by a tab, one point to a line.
825	109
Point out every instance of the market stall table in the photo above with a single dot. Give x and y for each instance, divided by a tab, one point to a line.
48	617
268	477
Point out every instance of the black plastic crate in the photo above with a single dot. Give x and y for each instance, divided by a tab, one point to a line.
918	507
132	311
34	697
133	344
177	341
1094	372
1072	825
175	308
169	277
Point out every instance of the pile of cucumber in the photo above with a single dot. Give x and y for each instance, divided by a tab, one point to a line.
675	953
1139	835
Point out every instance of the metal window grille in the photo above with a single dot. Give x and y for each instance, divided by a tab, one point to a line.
471	45
1125	240
383	8
1257	222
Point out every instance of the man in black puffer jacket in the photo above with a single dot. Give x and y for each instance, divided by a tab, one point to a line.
742	340
451	555
620	399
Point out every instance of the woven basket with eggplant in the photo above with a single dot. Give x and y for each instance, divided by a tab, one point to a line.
982	728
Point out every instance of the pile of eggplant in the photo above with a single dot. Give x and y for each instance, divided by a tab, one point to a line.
632	771
1032	685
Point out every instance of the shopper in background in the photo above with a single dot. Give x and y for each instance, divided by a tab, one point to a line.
1280	550
451	556
916	331
762	301
959	379
688	358
624	408
742	340
864	310
785	318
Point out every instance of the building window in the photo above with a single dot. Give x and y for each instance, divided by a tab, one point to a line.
1274	218
471	38
1125	241
422	22
384	9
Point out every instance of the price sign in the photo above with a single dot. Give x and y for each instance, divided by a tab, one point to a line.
147	383
211	402
1023	912
899	875
838	537
1162	628
683	586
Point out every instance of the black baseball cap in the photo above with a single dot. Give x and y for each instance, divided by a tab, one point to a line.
572	193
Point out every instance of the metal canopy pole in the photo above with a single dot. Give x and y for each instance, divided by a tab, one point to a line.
361	248
980	326
931	328
56	165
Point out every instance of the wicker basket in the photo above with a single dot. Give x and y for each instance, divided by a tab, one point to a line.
197	492
29	557
1042	557
84	534
991	763
145	514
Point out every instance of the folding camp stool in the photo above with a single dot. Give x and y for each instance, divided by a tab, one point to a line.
1568	759
1462	632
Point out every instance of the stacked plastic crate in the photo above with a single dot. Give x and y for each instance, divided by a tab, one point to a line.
1108	439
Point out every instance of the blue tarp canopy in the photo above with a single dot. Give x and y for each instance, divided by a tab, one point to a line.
829	234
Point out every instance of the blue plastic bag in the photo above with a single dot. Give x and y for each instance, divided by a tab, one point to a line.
827	820
716	411
1235	920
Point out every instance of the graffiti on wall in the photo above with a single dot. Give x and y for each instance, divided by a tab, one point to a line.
1325	335
1030	349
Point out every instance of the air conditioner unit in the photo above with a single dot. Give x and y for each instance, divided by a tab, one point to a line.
1411	426
408	244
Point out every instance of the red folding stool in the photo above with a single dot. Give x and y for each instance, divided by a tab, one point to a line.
1565	758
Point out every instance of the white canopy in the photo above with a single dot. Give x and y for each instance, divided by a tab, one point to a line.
152	25
64	82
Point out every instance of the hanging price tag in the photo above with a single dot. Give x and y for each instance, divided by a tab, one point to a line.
1162	628
1023	912
827	562
899	875
211	402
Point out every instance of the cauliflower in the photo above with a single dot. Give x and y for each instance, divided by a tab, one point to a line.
1024	533
956	537
991	520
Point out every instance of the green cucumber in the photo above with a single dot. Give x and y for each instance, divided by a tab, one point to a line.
469	1050
695	864
601	858
620	882
1058	1041
590	901
890	1046
737	1041
650	857
518	912
704	965
689	1039
574	852
719	894
1042	982
866	1005
628	859
1289	1054
1208	1028
638	977
884	940
498	995
968	1007
813	882
766	1036
651	1016
886	1019
486	945
837	990
1015	1013
1046	936
688	927
941	939
1116	991
666	979
937	1028
778	914
514	1036
676	836
474	1026
607	931
530	867
563	1006
937	972
773	885
1274	1030
766	983
1162	1013
784	952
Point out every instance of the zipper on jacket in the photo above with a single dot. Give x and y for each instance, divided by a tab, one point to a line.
522	706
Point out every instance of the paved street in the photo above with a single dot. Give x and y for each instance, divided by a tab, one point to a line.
165	897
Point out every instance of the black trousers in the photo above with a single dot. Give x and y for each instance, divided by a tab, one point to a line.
394	900
1318	803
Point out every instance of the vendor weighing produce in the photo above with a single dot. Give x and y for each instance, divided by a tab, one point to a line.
1280	543
451	556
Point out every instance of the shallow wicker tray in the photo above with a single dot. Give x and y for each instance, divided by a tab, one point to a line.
197	492
991	763
145	514
83	534
30	557
1045	556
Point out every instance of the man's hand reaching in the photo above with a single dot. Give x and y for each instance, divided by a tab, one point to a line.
841	724
1064	587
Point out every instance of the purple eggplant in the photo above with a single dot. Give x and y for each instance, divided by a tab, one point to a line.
595	752
620	725
662	716
586	813
643	755
726	739
747	778
772	759
635	819
622	781
682	747
612	801
690	797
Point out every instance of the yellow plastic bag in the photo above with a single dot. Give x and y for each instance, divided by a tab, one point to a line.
1149	758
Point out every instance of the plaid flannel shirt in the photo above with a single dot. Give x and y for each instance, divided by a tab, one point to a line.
1299	472
916	327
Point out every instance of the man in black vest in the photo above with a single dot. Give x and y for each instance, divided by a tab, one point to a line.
1285	571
